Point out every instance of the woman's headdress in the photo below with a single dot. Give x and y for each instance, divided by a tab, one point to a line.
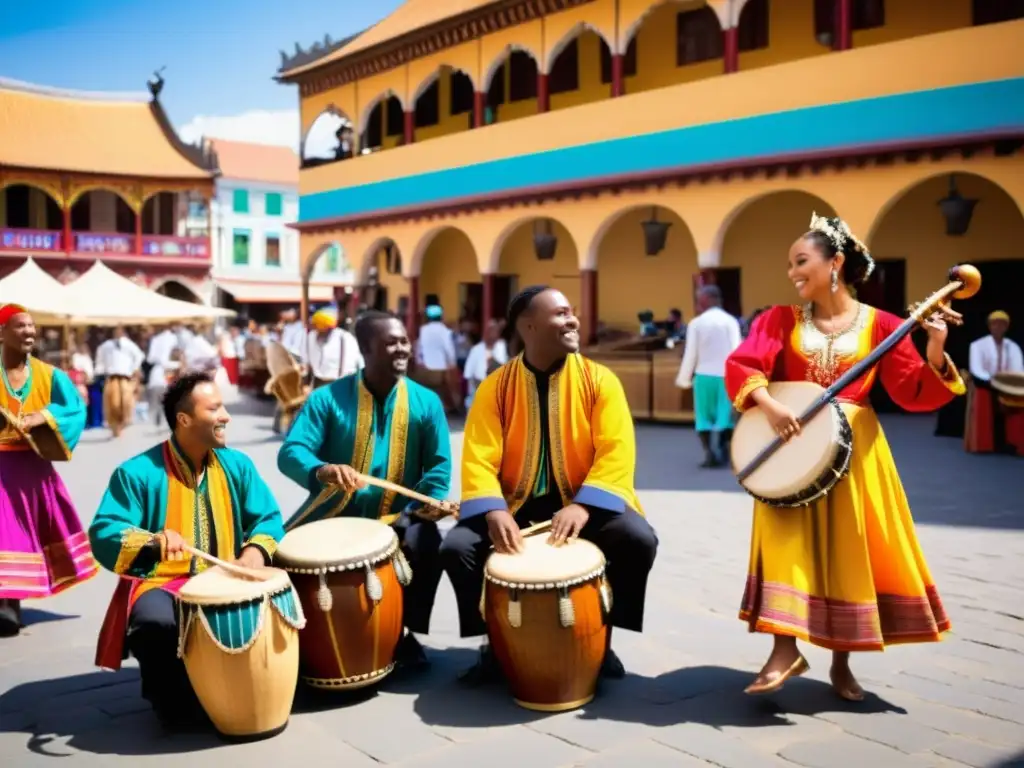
839	234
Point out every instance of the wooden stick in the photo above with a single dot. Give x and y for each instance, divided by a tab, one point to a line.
394	487
237	570
533	530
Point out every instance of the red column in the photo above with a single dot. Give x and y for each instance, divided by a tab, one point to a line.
67	237
410	127
413	313
588	306
488	303
731	45
618	80
138	233
543	101
478	109
843	33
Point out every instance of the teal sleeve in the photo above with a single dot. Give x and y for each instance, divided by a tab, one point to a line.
299	458
262	524
435	453
66	411
119	541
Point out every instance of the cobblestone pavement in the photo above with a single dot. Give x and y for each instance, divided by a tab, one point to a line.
960	702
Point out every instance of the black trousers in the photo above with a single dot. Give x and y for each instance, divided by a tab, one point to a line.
628	541
421	543
153	641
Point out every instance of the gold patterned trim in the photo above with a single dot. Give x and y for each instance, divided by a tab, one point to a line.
529	474
951	378
52	424
555	437
397	446
132	542
355	681
756	381
562	707
267	543
372	559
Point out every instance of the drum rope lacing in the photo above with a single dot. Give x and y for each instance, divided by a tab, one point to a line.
566	610
187	613
348	682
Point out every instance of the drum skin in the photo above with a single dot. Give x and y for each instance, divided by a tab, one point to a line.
353	645
550	668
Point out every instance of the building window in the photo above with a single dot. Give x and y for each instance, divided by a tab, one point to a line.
461	93
196	209
698	37
240	201
996	11
523	76
273	251
373	136
396	117
332	259
752	34
565	72
274	203
496	91
428	106
864	14
628	62
240	254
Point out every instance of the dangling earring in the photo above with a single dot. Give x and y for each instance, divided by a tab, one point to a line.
835	281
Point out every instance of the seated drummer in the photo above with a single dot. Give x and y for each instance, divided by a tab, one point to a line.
378	422
549	437
191	490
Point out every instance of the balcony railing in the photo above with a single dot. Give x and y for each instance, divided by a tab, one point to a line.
109	244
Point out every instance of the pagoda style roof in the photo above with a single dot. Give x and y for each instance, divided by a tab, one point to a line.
245	161
113	134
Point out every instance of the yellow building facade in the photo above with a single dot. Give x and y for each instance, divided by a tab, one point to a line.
471	134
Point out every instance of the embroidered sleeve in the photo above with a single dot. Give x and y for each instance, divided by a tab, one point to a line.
913	383
609	483
119	541
750	365
262	524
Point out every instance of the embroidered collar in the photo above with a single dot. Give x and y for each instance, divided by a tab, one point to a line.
22	393
183	466
543	374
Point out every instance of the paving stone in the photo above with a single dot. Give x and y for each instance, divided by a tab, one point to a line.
843	751
507	749
973	753
901	732
648	754
707	743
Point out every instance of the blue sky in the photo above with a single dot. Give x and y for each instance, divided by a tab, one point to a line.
220	55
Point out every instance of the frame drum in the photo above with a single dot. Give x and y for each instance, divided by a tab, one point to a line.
46	443
349	574
808	466
239	641
546	611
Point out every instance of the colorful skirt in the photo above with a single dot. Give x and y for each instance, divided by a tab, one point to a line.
43	548
846	572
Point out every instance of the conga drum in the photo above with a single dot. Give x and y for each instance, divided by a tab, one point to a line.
240	644
349	574
546	611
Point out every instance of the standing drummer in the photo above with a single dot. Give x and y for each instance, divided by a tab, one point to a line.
549	437
380	423
190	490
987	421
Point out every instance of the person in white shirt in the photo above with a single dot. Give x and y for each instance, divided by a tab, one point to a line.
710	339
293	333
991	425
159	379
436	358
484	358
330	353
120	360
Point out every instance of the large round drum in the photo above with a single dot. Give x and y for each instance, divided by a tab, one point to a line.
349	574
239	640
1009	386
546	611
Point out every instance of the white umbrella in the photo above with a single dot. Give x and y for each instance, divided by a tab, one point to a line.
38	292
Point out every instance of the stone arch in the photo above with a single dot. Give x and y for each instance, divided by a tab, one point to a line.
513	255
310	265
629	31
629	281
120	194
380	99
501	58
123	213
178	287
444	260
571	34
430	79
52	213
319	143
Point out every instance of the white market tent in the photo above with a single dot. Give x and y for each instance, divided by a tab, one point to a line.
36	290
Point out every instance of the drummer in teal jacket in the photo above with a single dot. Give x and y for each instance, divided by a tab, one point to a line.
378	423
188	490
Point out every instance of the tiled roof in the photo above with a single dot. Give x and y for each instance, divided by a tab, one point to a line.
243	161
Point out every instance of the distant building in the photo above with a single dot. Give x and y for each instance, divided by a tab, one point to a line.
256	258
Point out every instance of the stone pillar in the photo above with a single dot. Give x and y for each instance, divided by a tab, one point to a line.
843	26
67	237
479	103
138	227
588	306
413	310
618	78
543	100
409	134
488	302
731	46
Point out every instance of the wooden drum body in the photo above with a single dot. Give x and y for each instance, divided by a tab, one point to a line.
808	466
43	440
546	611
240	644
1009	387
349	574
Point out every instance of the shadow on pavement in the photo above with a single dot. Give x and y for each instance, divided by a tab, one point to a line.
1017	761
31	616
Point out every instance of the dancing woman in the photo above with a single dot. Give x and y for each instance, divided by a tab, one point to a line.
844	572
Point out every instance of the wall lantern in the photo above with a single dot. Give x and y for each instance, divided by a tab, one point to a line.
655	233
544	241
957	210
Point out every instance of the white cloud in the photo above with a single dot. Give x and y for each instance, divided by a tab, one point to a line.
277	127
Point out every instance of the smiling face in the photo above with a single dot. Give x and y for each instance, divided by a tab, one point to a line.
550	328
206	421
810	269
389	349
19	333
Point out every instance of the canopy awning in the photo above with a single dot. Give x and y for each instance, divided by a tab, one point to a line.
33	288
263	292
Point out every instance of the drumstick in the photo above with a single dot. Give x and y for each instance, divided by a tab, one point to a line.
533	530
394	487
237	570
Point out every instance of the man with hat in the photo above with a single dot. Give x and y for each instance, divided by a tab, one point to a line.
330	353
437	359
995	420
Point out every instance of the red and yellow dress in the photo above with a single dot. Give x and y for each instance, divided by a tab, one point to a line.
844	572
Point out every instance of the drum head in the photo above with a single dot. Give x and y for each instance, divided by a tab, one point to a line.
341	541
216	586
541	563
799	463
1009	383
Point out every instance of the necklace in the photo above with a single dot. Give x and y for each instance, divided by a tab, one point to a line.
823	358
7	381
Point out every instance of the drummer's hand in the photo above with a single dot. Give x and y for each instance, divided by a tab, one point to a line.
251	557
782	419
173	545
504	531
32	420
340	474
567	524
439	509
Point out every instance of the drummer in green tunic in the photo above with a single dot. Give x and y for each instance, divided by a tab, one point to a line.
379	423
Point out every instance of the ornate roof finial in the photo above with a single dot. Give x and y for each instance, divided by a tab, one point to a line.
157	83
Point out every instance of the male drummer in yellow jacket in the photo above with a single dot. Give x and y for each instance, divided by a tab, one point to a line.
549	437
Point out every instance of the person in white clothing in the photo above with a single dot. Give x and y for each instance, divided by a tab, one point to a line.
992	426
160	374
293	333
484	358
436	357
119	359
710	339
330	353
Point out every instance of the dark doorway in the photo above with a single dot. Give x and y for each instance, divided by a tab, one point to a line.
728	281
886	290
